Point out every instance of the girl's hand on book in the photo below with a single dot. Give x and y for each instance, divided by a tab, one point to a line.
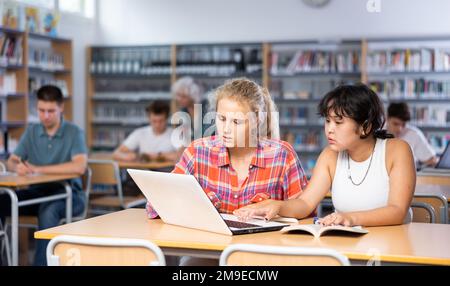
267	209
336	219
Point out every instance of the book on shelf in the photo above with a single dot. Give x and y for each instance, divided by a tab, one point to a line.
401	60
442	60
11	15
317	61
399	89
49	22
437	115
11	50
45	59
318	230
8	83
32	19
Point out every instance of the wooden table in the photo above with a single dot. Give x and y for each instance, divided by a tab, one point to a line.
154	165
406	244
10	183
429	178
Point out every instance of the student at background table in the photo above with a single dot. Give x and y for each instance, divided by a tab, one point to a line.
53	146
397	124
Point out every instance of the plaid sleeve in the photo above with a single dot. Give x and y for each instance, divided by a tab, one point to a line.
294	180
184	166
186	163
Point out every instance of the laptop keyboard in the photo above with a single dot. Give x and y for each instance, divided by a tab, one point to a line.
238	224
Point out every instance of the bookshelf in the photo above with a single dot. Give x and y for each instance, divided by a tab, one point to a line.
297	73
415	70
27	61
122	81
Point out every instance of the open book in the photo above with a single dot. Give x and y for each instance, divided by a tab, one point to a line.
317	230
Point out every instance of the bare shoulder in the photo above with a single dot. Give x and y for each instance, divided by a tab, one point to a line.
327	161
328	157
398	152
397	147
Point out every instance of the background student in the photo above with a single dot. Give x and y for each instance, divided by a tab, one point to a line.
152	142
53	146
372	178
397	124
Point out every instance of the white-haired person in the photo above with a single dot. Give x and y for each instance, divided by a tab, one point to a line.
193	109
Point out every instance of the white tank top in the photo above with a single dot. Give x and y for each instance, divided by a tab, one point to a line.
373	193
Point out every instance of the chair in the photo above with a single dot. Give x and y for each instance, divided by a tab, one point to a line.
4	248
438	203
423	212
107	173
89	251
261	255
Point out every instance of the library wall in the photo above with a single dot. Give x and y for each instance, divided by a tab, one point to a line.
157	21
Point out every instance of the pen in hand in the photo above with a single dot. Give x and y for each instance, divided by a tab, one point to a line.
26	165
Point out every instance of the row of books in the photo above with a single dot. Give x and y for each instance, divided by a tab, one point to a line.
11	50
45	59
304	61
35	20
219	54
133	96
401	60
296	115
313	88
36	82
116	113
304	140
8	83
110	138
131	85
129	67
442	60
145	61
412	89
431	115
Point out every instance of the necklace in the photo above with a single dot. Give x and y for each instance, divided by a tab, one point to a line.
367	172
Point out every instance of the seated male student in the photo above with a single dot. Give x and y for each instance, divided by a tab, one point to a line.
53	146
397	124
152	142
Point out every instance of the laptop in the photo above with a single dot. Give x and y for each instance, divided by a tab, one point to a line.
180	200
443	166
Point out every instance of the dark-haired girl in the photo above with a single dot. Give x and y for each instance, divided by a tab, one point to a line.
371	177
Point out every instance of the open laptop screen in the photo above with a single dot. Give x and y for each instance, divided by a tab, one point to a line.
444	162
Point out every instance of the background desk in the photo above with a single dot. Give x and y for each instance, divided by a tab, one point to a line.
154	165
12	183
405	244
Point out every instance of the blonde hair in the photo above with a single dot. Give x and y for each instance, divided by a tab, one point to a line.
256	97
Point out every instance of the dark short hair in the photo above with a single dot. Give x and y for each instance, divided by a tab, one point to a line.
158	107
50	93
359	103
399	110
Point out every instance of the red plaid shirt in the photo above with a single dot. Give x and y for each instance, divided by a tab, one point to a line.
275	173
